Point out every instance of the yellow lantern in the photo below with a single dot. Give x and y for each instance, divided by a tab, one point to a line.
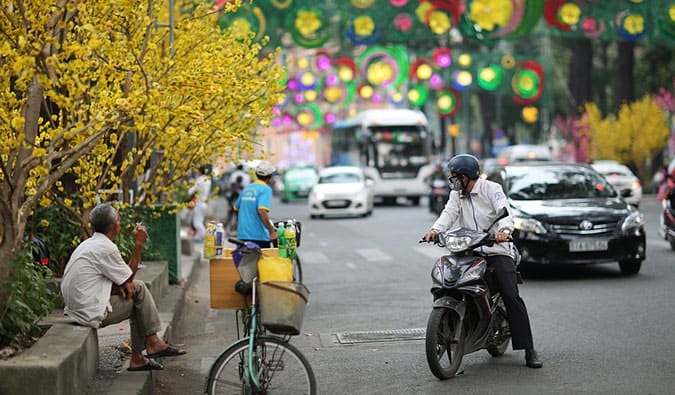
303	63
424	71
530	114
366	92
464	60
345	74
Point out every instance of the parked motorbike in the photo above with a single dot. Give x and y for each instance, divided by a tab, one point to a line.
468	312
440	192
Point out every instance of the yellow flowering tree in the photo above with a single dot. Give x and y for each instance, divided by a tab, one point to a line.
99	96
637	134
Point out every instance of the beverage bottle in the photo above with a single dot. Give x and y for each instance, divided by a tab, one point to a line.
289	235
210	241
281	241
219	240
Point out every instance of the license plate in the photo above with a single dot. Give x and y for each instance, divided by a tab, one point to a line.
302	193
335	203
588	245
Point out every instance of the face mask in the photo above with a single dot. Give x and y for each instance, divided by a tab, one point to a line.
456	183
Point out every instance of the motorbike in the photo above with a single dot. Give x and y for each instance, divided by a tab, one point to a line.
468	312
667	220
440	192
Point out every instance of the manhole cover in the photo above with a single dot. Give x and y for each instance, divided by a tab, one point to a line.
380	336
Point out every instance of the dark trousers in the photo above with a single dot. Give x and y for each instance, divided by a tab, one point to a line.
261	243
507	283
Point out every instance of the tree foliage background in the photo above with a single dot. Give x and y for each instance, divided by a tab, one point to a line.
98	96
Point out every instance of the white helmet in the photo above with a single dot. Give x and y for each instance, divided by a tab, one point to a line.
264	169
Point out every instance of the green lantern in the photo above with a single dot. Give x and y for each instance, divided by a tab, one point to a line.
418	95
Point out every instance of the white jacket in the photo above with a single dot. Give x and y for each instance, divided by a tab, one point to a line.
477	211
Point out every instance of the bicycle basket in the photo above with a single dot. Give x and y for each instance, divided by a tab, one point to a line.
246	258
282	306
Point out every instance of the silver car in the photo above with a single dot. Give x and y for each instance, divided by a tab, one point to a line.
621	178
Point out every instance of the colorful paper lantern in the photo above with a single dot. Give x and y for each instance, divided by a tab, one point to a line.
418	95
462	79
490	77
447	102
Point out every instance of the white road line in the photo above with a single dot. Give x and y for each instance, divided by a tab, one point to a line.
430	251
373	255
313	257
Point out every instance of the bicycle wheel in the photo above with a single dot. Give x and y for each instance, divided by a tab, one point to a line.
283	369
297	269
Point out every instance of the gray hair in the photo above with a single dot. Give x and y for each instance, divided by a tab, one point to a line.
103	217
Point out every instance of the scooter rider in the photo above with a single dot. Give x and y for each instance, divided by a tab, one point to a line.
474	203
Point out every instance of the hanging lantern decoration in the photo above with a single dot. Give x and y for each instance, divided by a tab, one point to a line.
362	3
528	82
362	30
366	91
592	28
490	77
308	27
631	26
403	24
530	114
395	97
323	60
666	21
292	84
243	22
418	95
309	116
436	82
382	66
398	3
447	102
307	81
508	62
440	16
281	4
442	57
346	69
421	70
329	118
461	79
465	60
311	95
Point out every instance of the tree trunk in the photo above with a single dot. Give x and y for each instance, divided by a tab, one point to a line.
487	112
626	77
580	73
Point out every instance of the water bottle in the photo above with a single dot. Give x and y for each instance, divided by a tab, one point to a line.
210	241
281	241
289	235
219	240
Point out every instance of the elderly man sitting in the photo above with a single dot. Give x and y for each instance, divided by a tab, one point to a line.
99	289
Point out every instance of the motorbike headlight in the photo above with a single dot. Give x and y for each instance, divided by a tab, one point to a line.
457	244
473	273
531	225
634	220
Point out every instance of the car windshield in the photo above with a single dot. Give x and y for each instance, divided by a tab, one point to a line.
339	178
301	174
542	183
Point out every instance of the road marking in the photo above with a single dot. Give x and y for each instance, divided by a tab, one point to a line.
350	265
313	257
429	251
373	255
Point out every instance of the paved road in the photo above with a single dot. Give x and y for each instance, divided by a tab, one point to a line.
597	331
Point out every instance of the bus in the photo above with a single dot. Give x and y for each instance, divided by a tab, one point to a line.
394	148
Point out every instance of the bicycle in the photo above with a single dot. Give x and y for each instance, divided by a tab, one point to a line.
260	363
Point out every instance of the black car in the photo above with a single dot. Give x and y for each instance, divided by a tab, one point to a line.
568	213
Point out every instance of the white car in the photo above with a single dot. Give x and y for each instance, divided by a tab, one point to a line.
621	177
341	190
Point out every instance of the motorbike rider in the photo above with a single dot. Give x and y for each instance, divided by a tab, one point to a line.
475	203
437	174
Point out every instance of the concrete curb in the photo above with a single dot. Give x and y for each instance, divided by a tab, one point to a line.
122	382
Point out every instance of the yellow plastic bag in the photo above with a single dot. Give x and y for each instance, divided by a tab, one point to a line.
275	268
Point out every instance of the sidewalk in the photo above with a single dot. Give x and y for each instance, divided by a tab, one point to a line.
112	378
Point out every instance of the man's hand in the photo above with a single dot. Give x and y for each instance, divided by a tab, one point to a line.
431	235
502	236
140	234
128	290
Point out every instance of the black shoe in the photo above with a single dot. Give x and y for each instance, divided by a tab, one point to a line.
532	359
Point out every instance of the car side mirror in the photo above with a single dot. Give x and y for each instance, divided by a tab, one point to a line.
626	192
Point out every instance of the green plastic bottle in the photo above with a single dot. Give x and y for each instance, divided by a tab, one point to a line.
281	241
289	235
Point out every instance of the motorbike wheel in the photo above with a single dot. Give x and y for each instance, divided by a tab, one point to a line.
502	332
444	343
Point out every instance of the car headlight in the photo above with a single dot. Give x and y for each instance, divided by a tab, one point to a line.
457	244
529	225
473	273
634	220
318	195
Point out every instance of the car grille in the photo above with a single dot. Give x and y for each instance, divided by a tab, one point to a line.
574	229
336	203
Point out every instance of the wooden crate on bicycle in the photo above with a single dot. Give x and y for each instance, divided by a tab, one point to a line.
223	278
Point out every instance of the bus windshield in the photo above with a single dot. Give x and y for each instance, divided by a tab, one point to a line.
397	151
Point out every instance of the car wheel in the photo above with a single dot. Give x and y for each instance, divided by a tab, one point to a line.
313	216
672	244
631	266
